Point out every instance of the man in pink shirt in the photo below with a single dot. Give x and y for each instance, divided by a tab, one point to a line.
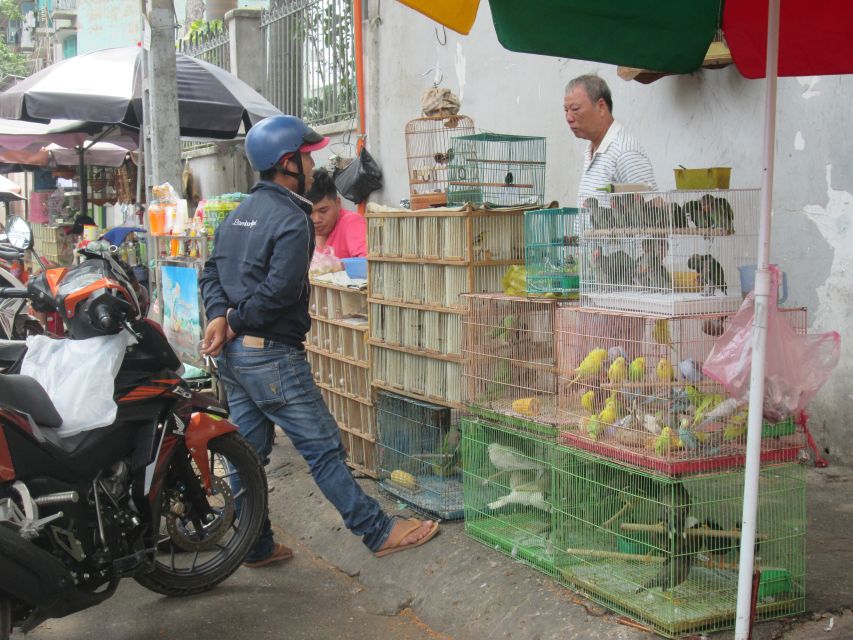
344	231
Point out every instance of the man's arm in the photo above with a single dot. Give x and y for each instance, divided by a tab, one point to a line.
283	284
215	307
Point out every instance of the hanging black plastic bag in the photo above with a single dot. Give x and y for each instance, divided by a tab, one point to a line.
360	178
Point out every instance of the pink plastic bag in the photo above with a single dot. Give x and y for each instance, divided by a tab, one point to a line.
797	365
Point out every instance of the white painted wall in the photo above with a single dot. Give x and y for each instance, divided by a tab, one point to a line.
709	118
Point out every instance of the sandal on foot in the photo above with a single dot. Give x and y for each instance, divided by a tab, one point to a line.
279	554
402	529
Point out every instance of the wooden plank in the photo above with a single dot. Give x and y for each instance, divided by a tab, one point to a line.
417	396
362	364
342	322
344	394
435	355
420	307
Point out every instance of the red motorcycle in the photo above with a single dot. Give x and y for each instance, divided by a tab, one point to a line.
169	494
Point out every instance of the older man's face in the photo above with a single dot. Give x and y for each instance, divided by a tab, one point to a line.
585	118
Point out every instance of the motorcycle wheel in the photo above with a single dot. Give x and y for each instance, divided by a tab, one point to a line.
5	618
191	560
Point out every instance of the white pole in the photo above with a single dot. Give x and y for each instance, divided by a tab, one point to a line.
759	339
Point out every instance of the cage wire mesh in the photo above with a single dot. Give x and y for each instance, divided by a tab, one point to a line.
631	387
497	170
419	449
509	366
668	252
665	551
429	152
551	252
507	490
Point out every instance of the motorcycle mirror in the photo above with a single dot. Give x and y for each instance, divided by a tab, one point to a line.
19	233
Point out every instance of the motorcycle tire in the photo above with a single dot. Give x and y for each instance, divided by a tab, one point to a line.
5	618
167	579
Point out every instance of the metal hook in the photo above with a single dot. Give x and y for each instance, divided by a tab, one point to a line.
439	75
444	31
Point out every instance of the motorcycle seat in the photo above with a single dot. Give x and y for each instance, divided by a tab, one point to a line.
25	394
11	351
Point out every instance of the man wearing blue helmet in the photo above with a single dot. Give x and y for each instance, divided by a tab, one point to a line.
255	289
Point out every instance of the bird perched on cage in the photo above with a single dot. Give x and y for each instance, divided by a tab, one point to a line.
628	210
652	424
496	387
664	370
599	217
618	370
450	453
714	327
661	333
505	328
637	369
688	439
590	366
526	488
721	412
650	269
674	509
610	412
718	546
674	570
663	443
508	178
616	352
615	268
711	274
689	370
709	212
678	216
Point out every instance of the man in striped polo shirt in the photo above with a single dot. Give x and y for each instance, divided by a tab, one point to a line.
613	156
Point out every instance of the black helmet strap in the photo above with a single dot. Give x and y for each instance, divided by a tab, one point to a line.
299	175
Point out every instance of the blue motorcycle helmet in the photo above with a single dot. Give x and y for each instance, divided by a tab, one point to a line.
274	140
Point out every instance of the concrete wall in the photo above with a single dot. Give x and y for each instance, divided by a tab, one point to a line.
117	23
709	118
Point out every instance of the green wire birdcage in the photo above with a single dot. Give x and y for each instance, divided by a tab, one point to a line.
665	550
419	458
497	170
507	481
551	253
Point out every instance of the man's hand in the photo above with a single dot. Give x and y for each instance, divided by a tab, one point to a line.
217	334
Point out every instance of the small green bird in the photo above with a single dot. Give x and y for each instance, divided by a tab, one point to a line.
637	369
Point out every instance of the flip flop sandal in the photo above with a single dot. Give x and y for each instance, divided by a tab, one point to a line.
401	530
279	554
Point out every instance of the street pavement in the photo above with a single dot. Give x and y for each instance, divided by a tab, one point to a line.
452	588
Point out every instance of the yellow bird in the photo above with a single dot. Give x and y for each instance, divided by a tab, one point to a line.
617	371
664	371
588	401
661	333
663	442
609	414
637	370
591	365
593	427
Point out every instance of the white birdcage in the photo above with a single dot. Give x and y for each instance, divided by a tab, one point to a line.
669	252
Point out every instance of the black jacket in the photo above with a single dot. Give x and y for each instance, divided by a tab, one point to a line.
259	266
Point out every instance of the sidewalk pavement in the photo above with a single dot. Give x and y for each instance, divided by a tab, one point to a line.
463	589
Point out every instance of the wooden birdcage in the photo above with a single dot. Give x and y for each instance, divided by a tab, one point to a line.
667	252
509	367
631	388
665	551
428	154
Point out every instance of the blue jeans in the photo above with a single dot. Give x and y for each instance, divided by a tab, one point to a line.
272	385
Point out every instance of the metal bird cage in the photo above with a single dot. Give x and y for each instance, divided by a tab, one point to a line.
497	170
428	153
509	368
507	484
552	252
419	454
665	551
631	387
668	252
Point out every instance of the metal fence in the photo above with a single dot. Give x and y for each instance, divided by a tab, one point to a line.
309	59
213	47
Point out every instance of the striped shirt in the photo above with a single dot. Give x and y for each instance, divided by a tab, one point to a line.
618	160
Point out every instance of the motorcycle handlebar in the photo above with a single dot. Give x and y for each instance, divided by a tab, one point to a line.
106	318
13	292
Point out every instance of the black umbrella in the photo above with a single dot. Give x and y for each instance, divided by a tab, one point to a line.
106	87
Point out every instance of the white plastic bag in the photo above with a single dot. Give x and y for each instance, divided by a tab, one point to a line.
79	376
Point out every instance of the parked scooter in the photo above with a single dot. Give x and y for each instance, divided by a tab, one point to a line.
169	494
